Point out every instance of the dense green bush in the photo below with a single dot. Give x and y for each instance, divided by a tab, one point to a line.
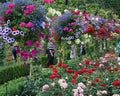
8	73
12	88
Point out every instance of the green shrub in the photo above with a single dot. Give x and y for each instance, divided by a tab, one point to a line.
12	88
8	73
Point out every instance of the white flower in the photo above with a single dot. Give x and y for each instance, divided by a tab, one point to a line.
104	92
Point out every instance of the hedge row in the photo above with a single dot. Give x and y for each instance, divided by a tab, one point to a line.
12	72
12	88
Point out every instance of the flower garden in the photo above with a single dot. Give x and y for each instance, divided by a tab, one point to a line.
31	24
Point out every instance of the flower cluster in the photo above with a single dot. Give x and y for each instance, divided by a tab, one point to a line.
86	23
24	15
79	90
6	32
62	83
48	1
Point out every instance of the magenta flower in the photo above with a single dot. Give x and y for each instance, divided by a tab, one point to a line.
8	11
41	35
29	42
12	5
48	1
22	24
25	64
29	24
30	8
47	37
33	52
37	45
30	56
24	54
66	29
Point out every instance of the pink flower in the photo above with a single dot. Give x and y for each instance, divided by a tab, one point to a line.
30	8
26	12
29	24
76	94
33	52
22	7
66	29
24	54
48	1
29	42
12	5
70	30
37	45
115	95
22	24
101	66
8	11
46	86
81	94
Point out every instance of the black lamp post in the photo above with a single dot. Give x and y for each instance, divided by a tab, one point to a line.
66	2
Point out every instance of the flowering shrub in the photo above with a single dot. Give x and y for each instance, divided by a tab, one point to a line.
72	23
88	77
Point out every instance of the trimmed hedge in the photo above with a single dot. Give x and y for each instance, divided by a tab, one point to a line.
12	88
12	72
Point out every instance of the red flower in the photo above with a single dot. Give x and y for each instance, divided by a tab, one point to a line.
82	70
116	83
117	30
50	66
89	71
52	76
57	76
93	69
64	65
97	79
115	69
73	81
74	76
87	62
59	64
14	29
118	75
55	38
90	29
96	64
92	83
101	31
55	70
103	84
69	70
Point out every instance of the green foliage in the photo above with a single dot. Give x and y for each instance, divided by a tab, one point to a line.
12	88
2	55
12	72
